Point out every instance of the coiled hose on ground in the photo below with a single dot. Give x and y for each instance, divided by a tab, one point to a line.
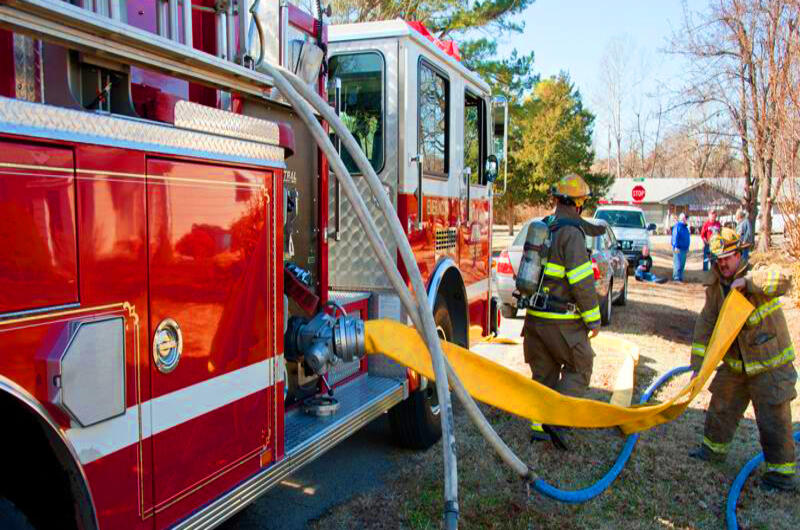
738	483
585	494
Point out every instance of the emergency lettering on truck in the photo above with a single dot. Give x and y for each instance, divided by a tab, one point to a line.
184	283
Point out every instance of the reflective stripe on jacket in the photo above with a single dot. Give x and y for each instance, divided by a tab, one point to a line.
764	342
568	274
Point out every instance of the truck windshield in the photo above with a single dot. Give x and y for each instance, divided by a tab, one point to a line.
360	102
621	218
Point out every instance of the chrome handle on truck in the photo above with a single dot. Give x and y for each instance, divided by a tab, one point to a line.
420	160
337	232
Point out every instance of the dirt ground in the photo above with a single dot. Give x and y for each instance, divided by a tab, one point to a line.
661	487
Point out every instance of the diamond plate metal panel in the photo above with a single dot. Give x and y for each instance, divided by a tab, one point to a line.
342	371
35	119
352	262
348	297
354	396
197	117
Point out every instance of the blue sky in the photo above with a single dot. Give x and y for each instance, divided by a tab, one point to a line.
572	35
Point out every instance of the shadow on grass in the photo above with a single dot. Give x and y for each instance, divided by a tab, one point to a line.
655	319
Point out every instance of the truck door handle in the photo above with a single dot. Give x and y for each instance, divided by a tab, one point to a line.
337	231
420	160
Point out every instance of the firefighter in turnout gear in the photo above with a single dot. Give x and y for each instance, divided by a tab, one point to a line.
556	336
758	366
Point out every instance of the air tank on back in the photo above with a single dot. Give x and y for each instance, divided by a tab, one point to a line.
530	267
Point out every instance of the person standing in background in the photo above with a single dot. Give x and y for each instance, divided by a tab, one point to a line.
680	247
745	232
710	227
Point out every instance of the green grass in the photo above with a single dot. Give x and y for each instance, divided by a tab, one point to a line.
660	488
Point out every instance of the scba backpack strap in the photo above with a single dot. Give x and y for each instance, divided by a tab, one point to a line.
545	301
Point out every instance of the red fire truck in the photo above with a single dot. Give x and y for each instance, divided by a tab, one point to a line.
183	284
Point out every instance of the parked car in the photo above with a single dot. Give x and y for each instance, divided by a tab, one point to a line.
608	262
629	227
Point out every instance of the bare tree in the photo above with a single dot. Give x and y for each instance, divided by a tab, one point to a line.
614	80
788	159
741	54
648	127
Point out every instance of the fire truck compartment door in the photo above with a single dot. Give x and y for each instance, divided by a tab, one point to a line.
210	277
38	264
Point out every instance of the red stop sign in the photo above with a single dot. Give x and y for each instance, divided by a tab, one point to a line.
638	193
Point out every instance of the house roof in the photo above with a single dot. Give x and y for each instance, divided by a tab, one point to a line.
661	191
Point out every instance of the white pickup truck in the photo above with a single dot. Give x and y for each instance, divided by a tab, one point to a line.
629	226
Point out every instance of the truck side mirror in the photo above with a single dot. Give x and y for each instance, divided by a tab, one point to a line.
491	168
651	227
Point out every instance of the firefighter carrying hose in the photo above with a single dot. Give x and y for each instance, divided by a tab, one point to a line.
556	331
758	366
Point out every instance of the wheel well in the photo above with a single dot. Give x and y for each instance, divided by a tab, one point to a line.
39	470
448	284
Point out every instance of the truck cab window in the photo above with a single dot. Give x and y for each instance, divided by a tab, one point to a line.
360	103
434	130
474	144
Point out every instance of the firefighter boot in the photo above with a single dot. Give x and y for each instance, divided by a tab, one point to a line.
538	434
773	481
558	436
707	455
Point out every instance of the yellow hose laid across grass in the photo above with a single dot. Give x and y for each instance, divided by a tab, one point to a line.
506	389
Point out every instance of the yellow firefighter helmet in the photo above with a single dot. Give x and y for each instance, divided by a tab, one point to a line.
572	187
725	243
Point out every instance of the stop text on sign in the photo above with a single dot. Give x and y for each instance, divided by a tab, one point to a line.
638	193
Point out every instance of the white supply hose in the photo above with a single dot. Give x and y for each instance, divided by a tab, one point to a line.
388	211
429	329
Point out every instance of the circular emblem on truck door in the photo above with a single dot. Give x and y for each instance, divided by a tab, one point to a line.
167	345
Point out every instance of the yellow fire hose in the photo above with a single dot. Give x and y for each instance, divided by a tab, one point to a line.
508	390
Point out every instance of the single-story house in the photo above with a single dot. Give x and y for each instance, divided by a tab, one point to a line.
666	197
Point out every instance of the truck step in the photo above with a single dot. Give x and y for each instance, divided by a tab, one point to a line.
360	401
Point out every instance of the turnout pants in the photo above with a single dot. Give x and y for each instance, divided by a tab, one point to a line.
771	393
559	354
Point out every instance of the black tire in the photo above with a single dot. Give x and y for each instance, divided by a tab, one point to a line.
623	296
508	311
605	306
11	517
415	422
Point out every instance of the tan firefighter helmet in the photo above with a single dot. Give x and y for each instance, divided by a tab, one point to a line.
725	243
572	187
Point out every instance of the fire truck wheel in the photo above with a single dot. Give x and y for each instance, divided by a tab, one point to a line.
415	422
11	517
